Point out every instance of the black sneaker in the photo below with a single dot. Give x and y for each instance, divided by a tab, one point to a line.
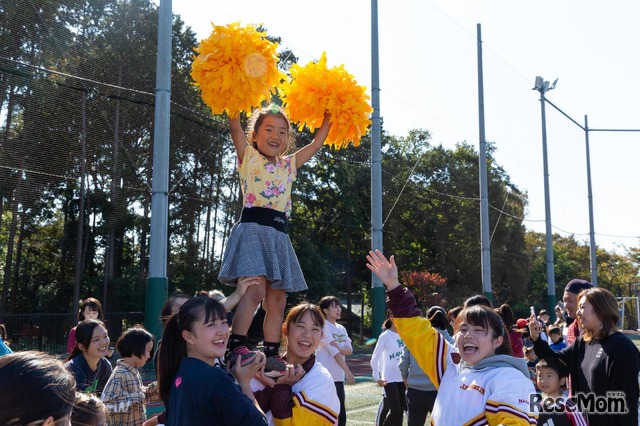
275	367
246	356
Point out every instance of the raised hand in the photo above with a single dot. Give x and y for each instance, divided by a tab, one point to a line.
384	269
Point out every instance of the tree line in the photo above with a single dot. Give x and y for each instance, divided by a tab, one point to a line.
77	80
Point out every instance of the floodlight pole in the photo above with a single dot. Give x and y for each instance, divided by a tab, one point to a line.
377	289
158	283
542	87
485	243
592	234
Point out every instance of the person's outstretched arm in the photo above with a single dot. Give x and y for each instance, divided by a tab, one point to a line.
305	153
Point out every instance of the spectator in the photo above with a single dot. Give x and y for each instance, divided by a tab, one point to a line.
124	394
335	345
86	361
88	410
90	308
36	390
4	348
602	360
555	336
515	335
384	363
570	299
555	408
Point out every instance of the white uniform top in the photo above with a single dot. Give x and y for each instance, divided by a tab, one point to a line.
386	356
325	354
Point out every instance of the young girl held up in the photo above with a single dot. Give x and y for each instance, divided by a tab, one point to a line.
335	345
194	391
259	245
480	385
87	360
124	394
305	393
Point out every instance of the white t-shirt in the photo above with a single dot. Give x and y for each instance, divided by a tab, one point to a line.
325	354
386	356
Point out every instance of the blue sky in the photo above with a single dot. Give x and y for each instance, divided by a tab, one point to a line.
428	79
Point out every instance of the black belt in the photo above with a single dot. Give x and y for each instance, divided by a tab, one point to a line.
266	217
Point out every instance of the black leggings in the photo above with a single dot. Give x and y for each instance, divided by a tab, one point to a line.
394	403
342	417
420	404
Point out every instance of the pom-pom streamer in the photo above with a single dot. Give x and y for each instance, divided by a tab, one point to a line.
314	89
235	68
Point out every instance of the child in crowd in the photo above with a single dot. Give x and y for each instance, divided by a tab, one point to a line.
36	390
259	245
532	360
481	384
195	392
305	394
4	348
554	408
124	394
335	345
384	364
88	410
86	361
557	341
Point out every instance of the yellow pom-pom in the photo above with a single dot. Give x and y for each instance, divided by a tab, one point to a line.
235	68
314	89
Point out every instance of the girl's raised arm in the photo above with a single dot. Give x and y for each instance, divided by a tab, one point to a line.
305	153
238	136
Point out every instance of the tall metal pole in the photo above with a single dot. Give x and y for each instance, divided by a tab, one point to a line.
484	191
592	234
157	284
551	278
377	289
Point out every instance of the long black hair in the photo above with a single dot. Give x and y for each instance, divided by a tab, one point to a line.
174	348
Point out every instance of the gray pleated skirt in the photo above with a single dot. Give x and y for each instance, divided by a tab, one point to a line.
258	250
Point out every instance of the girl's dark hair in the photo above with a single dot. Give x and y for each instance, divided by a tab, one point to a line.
3	332
437	317
327	302
133	342
35	385
297	311
258	116
606	309
89	410
174	348
480	315
478	299
92	303
454	312
84	333
555	364
388	322
165	313
506	313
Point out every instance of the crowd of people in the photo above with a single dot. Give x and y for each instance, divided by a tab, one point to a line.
495	370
